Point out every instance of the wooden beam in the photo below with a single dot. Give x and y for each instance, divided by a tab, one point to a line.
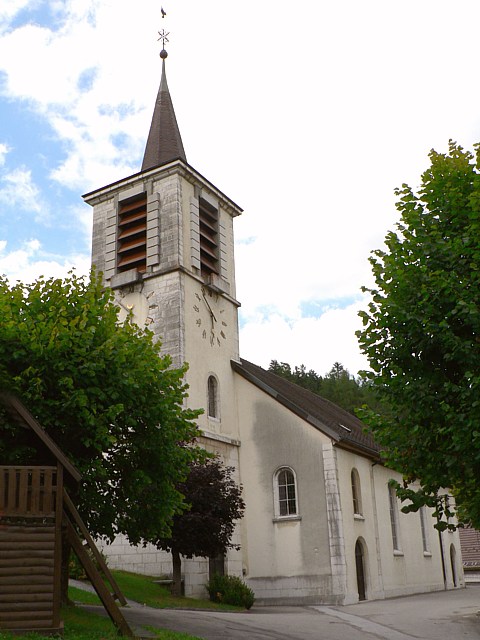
95	578
93	547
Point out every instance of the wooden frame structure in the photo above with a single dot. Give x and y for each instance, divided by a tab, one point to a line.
35	510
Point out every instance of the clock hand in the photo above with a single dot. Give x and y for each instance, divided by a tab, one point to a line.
210	309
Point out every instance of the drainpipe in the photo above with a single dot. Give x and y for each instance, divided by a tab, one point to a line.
440	539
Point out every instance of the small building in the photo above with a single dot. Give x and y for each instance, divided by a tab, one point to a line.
31	511
36	512
470	541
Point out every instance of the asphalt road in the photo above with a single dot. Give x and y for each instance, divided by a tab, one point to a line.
445	615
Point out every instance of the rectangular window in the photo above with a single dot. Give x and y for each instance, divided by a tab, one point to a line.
392	499
132	234
423	525
356	494
208	218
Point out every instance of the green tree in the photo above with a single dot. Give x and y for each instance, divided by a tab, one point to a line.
206	528
106	397
422	334
338	385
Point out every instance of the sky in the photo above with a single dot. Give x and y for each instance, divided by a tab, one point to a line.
307	114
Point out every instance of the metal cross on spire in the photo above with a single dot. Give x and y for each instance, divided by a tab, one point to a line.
163	37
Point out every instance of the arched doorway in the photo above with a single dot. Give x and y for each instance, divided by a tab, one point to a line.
453	562
360	568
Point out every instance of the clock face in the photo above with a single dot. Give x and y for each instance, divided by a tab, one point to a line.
210	317
136	304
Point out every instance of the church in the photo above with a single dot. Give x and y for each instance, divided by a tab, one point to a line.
321	523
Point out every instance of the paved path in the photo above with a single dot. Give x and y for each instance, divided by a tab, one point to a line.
450	615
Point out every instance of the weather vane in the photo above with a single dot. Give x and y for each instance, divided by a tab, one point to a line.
163	37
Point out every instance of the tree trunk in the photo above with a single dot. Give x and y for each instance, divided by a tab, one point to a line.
177	573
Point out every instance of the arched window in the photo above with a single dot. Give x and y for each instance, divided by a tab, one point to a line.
356	493
212	390
285	488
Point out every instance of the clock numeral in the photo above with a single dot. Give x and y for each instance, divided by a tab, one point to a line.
197	297
223	335
204	334
198	322
196	308
224	324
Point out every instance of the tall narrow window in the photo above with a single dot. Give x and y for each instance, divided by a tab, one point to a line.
212	397
392	499
132	234
423	525
286	493
208	216
356	493
453	562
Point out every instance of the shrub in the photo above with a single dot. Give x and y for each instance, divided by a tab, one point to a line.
230	590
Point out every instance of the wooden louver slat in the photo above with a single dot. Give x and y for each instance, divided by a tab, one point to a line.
127	231
207	265
208	218
207	251
132	234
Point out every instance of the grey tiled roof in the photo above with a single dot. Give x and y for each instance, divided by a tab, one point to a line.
470	542
345	429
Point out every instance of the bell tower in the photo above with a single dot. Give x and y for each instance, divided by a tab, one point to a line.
163	239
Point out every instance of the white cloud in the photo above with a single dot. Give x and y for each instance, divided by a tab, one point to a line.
4	149
28	263
9	9
79	79
83	217
315	342
17	189
310	132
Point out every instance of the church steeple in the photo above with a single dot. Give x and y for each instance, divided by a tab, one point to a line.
164	142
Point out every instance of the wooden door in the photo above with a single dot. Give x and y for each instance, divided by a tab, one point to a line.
360	568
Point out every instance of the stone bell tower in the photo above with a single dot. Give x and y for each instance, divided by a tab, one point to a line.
163	239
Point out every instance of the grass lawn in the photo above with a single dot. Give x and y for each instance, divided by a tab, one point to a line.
144	590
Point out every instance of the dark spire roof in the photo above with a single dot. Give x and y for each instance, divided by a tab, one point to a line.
164	142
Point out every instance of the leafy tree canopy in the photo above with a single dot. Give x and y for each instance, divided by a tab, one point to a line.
215	503
206	528
105	395
338	385
422	332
